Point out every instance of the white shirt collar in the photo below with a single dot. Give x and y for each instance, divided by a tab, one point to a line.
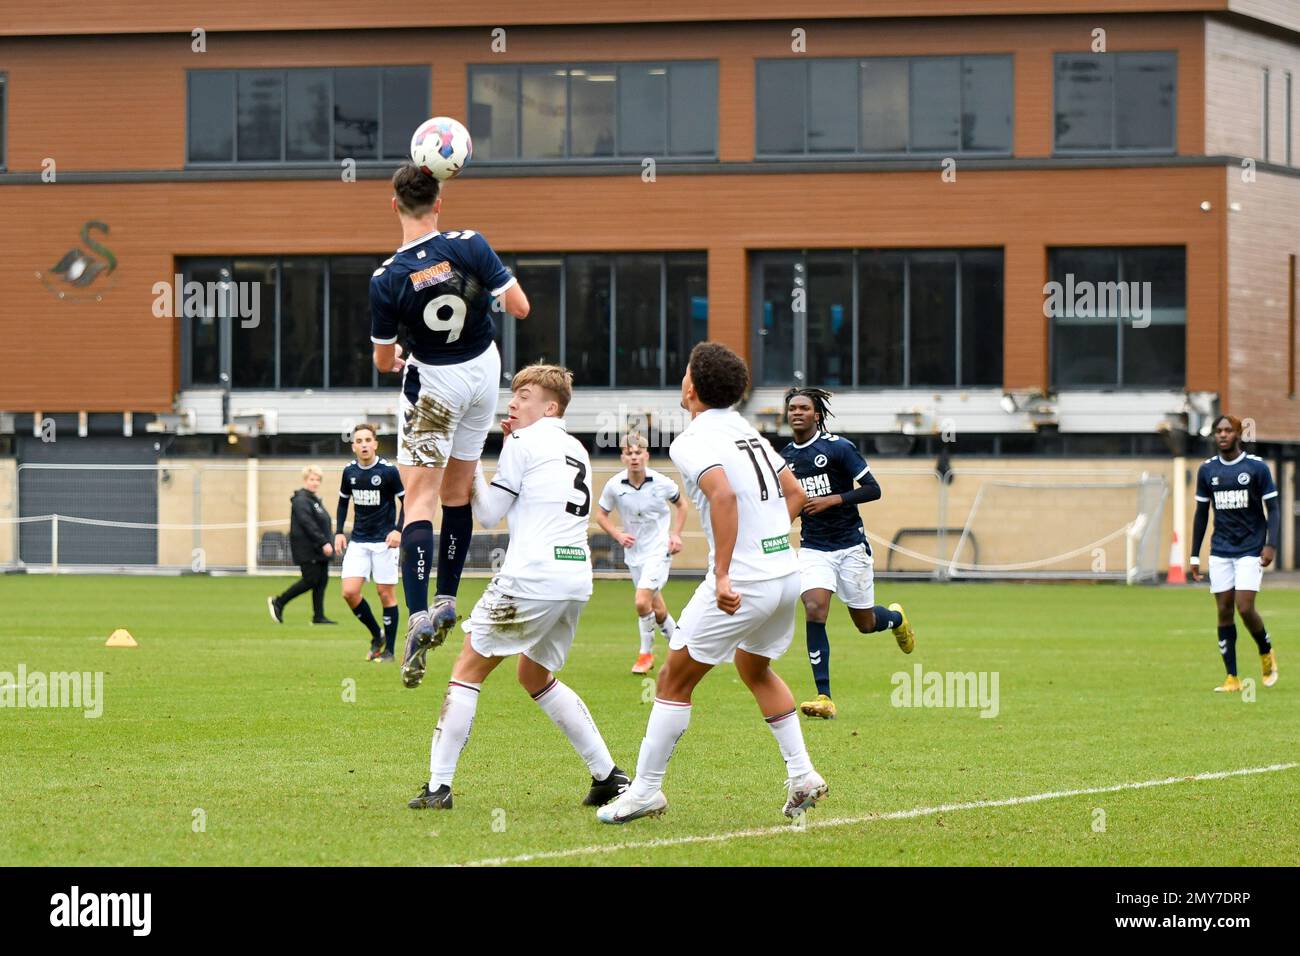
1235	460
548	420
415	242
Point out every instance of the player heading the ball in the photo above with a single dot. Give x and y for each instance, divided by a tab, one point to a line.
437	291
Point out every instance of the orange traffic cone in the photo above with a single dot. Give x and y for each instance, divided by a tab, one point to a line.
1176	573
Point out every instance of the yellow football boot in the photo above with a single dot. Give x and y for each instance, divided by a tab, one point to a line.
822	707
1268	664
904	634
1229	686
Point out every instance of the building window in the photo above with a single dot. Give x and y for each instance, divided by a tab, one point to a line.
594	111
1287	124
299	322
887	106
1264	118
266	322
305	115
1113	102
623	321
872	318
1118	317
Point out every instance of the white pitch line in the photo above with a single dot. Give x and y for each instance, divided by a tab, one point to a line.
870	817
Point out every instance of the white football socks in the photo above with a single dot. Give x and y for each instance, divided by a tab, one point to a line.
570	714
789	737
452	733
668	721
668	626
646	625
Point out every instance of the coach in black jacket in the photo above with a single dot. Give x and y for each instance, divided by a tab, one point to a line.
310	542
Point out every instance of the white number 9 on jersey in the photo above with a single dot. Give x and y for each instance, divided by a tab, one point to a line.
453	308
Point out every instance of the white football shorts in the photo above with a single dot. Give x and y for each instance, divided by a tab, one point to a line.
446	411
374	560
850	573
501	625
652	575
764	624
1239	574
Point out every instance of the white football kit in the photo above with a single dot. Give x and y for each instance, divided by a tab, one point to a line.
764	570
370	559
543	489
646	513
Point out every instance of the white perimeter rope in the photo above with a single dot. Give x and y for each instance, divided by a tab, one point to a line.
145	525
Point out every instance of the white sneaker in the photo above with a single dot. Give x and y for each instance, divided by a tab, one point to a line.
803	792
628	808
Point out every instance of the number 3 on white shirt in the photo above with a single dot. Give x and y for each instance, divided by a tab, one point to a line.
453	323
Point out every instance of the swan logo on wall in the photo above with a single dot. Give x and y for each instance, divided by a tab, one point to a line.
82	275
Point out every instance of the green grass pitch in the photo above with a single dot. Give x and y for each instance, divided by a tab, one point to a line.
223	719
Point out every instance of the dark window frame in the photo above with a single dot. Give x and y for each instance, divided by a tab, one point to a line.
225	334
284	162
908	152
1266	78
614	66
507	322
1118	385
4	121
957	253
1287	125
1113	149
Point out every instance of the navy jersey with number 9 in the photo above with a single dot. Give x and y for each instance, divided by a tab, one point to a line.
437	291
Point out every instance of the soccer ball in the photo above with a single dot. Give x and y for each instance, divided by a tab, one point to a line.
441	147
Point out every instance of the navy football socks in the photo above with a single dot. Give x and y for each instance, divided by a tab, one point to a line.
391	616
1262	641
453	547
417	557
819	656
886	620
1228	647
367	617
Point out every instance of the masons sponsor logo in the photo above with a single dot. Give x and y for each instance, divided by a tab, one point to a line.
439	272
779	543
570	553
1229	500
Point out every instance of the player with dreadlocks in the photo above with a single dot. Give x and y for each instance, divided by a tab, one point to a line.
834	555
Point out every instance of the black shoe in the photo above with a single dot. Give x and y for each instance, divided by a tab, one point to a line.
277	609
375	651
603	791
439	799
322	620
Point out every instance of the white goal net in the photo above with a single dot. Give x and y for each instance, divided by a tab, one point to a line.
1062	529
